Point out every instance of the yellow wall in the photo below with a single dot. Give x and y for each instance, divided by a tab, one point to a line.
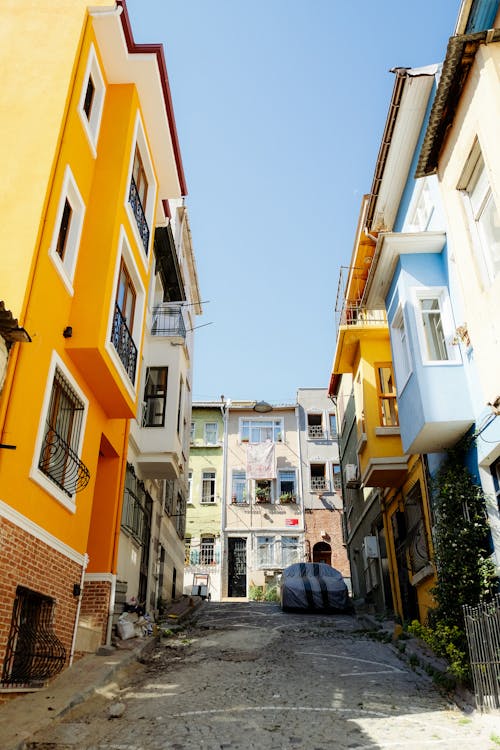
39	56
49	305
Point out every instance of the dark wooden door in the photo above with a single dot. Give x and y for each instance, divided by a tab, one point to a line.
237	566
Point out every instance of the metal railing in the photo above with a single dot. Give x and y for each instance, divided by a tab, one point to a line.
33	653
168	321
133	516
61	464
142	224
482	626
318	484
123	342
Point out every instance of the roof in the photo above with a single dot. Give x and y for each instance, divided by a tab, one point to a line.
460	55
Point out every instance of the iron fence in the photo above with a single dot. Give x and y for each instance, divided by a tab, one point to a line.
482	626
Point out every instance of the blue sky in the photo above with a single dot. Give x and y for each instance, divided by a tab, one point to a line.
280	107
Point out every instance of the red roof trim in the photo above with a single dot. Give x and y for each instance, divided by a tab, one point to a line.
156	49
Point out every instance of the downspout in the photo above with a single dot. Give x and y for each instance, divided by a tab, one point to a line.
77	616
116	536
225	417
302	498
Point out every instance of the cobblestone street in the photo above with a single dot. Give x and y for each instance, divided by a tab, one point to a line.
249	676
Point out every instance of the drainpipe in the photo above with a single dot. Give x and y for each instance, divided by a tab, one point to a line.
301	485
77	617
225	417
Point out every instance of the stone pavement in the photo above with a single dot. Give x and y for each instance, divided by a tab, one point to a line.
21	717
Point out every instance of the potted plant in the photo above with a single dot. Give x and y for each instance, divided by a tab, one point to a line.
262	495
287	497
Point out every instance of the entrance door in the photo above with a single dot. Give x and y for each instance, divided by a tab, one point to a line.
237	566
322	553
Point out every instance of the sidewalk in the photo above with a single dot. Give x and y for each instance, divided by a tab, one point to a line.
21	717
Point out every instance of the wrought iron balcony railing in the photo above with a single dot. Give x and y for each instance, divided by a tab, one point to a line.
168	321
61	464
142	224
123	342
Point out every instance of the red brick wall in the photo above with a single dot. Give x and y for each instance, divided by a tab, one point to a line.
27	561
95	604
331	522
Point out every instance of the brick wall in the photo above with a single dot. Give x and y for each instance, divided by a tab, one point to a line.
27	561
330	522
95	605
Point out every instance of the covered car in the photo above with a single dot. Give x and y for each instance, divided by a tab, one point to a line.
313	586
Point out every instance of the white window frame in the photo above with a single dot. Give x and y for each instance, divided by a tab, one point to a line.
278	482
270	544
190	488
475	174
211	478
440	293
92	125
66	266
260	421
421	207
276	544
241	475
35	474
206	433
125	252
402	360
139	141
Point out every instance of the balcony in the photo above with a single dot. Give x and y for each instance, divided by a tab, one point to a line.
142	224
61	464
168	321
318	484
123	342
315	432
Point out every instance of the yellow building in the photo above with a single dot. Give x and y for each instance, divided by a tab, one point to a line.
385	499
90	149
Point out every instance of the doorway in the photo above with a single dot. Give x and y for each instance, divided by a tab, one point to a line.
322	553
237	566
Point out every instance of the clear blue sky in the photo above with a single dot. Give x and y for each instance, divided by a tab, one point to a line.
280	107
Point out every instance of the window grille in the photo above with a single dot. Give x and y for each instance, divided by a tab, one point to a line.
59	459
33	653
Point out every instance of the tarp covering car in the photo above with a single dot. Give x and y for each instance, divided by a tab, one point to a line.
310	586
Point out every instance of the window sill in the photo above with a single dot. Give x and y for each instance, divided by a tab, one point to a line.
387	431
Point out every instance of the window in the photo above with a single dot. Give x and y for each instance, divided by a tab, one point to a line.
179	406
62	436
434	325
495	472
337	477
123	322
483	212
192	432
210	433
207	549
138	196
190	487
401	349
263	491
287	490
208	487
260	430
386	391
239	487
91	104
187	550
155	397
134	520
421	208
265	551
318	478
275	552
67	230
33	653
314	426
289	550
332	418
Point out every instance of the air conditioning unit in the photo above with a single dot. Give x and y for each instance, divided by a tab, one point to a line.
370	547
351	476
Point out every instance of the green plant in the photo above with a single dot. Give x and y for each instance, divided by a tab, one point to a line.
271	594
256	593
287	497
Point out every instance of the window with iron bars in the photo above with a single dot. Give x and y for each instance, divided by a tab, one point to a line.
59	458
33	653
134	506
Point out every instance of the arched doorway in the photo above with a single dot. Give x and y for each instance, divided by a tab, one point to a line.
322	552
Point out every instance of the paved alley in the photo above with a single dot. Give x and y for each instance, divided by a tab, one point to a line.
246	675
